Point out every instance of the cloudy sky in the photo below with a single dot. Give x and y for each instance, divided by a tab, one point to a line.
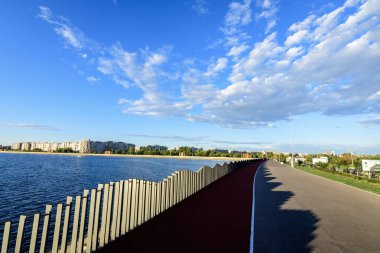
204	73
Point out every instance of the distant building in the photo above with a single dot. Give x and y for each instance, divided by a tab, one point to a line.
156	147
5	147
320	160
83	146
247	155
371	165
330	153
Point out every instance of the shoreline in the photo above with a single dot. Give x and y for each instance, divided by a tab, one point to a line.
131	156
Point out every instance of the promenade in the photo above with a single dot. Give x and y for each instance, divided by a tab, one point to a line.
216	219
299	212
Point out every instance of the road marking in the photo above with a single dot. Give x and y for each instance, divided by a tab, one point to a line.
251	241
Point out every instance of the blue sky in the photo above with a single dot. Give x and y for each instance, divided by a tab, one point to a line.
203	73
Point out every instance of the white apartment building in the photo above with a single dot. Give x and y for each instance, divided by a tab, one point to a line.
83	146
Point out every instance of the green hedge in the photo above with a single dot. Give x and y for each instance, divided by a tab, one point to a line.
370	180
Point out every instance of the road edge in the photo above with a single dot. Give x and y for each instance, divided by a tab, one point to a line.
252	237
378	195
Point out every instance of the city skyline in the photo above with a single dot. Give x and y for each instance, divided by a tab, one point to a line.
211	74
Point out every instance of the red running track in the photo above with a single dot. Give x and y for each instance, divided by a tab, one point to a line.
216	219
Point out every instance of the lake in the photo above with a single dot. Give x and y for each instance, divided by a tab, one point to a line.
30	181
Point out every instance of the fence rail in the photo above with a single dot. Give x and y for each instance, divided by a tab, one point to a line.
114	209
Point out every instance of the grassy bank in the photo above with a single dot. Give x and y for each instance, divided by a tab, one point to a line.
351	180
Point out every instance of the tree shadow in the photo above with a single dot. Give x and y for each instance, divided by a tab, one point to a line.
275	229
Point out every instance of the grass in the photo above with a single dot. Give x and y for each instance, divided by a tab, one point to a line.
345	179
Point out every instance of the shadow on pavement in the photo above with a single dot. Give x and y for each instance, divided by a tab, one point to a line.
278	230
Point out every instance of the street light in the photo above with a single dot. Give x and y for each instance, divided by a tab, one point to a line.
291	137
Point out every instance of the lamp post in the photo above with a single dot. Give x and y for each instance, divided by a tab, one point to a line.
291	138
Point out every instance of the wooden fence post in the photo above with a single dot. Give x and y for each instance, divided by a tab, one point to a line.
115	208
133	203
20	233
118	220
7	229
90	226
104	216
33	237
96	221
153	200
129	207
124	210
141	199
159	197
109	207
164	195
82	221
45	228
66	221
74	235
57	228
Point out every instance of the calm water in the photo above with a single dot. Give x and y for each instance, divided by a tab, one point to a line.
28	182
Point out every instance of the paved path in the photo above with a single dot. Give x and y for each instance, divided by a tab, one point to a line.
216	219
299	212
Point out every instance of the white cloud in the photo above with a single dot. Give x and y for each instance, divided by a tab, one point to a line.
123	101
266	4
322	75
62	27
237	50
294	52
144	70
198	93
30	126
268	12
69	35
46	14
303	25
328	64
296	38
93	79
375	96
200	7
271	23
238	14
372	122
214	119
216	67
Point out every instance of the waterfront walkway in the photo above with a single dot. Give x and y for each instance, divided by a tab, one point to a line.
299	212
216	219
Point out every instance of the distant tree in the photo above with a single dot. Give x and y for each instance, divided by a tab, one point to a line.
322	166
131	150
65	150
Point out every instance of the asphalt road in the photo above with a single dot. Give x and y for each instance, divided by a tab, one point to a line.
299	212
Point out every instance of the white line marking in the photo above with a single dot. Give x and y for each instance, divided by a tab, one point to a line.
251	242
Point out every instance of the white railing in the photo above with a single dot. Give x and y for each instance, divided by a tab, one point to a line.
115	209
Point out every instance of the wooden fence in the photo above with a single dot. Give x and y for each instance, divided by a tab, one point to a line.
114	209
